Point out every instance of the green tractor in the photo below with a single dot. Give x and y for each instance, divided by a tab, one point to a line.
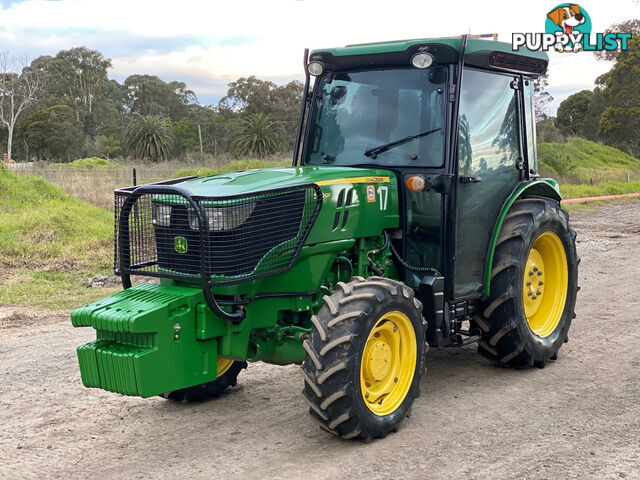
413	216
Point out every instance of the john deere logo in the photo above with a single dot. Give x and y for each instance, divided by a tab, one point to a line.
180	245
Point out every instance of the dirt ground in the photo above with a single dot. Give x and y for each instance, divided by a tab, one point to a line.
577	418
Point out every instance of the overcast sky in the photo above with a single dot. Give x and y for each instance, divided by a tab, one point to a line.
209	43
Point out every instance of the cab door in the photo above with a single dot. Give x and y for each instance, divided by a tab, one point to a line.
490	163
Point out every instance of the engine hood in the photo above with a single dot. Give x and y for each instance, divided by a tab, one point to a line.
251	181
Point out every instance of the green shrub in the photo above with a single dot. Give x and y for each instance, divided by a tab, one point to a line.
91	162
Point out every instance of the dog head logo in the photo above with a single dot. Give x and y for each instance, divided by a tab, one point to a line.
567	18
569	22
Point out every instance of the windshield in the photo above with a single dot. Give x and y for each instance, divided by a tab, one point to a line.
370	111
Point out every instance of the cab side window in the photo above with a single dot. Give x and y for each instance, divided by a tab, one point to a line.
488	155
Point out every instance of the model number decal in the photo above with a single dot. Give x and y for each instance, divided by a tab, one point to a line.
383	193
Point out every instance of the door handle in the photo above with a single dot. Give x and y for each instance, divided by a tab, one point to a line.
470	179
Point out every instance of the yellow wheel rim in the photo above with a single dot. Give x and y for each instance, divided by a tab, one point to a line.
224	364
388	363
544	286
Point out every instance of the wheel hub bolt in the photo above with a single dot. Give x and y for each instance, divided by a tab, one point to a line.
539	273
529	293
367	384
540	282
533	297
395	379
377	334
395	329
530	273
538	292
528	284
366	395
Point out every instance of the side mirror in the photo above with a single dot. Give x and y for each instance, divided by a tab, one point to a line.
337	94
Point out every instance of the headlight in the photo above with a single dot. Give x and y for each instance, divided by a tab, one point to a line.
161	214
223	218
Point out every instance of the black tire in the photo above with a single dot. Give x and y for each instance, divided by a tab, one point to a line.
335	347
507	338
206	391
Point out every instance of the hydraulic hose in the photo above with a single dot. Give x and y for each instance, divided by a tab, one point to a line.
413	268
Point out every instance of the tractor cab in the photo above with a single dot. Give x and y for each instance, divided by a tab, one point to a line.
452	118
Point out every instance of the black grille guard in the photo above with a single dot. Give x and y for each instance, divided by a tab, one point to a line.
123	248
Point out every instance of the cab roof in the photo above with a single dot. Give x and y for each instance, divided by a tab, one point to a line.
478	52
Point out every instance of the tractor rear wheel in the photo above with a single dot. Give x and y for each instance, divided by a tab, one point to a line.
365	358
533	286
228	371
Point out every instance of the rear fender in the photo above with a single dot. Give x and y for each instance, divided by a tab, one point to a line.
546	187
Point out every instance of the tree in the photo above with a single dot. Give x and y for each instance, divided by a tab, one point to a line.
149	95
185	134
257	135
17	91
620	121
53	133
597	105
109	144
628	26
250	95
149	137
547	132
572	113
542	97
78	78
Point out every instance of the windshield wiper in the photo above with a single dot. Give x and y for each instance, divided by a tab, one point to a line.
373	152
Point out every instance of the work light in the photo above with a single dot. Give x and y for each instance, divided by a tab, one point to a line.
422	60
315	68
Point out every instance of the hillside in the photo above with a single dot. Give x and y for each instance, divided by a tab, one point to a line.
50	244
580	161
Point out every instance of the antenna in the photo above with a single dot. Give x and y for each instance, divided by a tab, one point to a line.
492	36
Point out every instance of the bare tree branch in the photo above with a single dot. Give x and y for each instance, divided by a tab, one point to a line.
19	86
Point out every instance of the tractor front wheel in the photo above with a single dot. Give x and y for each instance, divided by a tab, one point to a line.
365	358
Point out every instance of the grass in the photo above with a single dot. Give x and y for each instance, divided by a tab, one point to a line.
53	238
50	244
601	189
580	161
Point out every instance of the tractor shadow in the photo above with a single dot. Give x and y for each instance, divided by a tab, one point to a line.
454	369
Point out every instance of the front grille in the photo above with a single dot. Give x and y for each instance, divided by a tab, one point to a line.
171	233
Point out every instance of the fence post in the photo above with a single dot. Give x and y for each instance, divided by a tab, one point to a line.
134	177
628	178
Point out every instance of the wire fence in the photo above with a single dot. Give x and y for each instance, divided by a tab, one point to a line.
96	185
